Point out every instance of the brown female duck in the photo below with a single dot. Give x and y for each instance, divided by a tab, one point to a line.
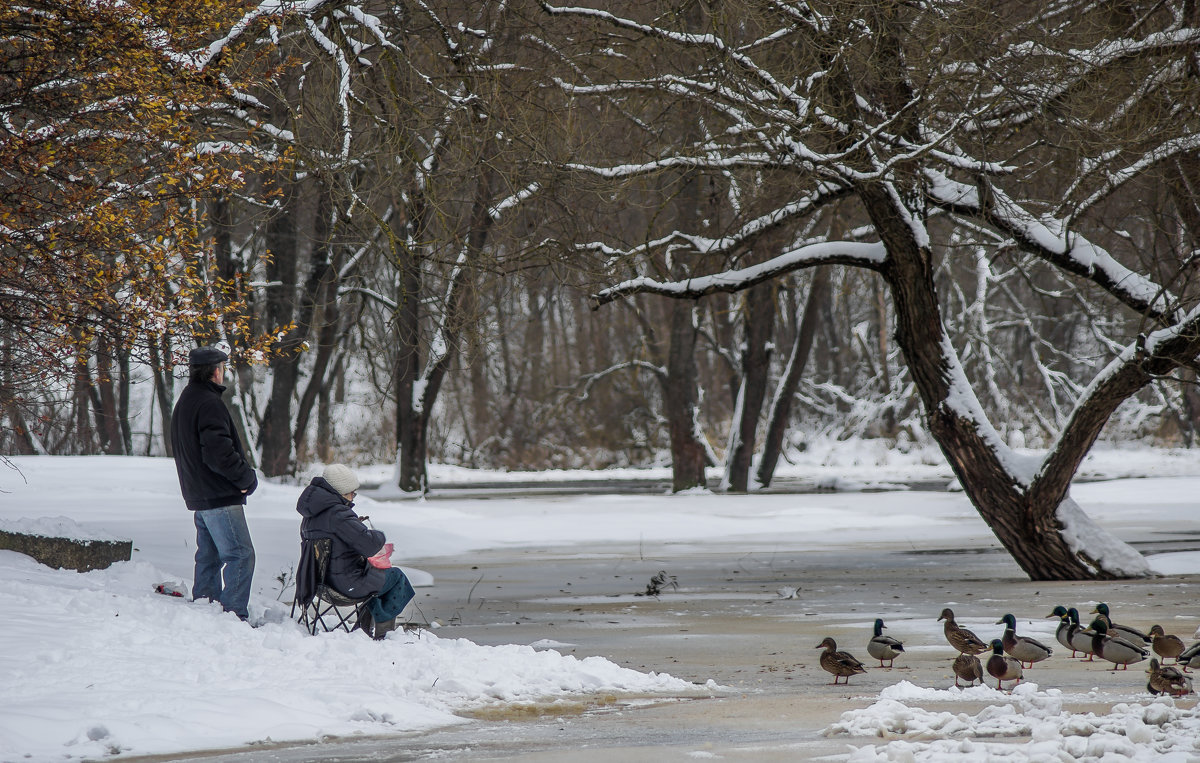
1164	644
840	664
1167	680
960	638
968	668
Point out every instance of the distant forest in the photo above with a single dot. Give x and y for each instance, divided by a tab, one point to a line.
512	234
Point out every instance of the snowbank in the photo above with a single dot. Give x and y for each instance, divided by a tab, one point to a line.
1027	725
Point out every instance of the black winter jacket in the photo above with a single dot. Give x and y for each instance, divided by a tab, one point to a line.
329	515
209	457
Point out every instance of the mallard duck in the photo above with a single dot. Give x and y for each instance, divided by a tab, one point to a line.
1064	623
968	668
1003	668
1167	680
1189	658
840	664
1119	651
1026	649
1123	631
960	638
883	647
1164	644
1080	637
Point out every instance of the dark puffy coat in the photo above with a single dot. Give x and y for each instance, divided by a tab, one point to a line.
329	515
209	457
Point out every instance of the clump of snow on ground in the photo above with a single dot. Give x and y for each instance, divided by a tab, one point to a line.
95	664
1025	725
55	527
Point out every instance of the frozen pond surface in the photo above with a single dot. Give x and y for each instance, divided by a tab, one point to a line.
729	621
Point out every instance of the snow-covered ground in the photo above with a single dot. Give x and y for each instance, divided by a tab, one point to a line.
96	664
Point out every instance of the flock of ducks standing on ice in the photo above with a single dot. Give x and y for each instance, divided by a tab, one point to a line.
1012	654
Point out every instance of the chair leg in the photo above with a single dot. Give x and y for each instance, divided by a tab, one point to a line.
328	616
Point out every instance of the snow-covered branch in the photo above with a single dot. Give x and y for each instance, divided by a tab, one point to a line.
1051	240
871	256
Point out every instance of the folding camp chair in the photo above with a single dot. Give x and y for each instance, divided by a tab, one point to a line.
320	605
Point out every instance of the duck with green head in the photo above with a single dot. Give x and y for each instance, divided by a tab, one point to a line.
1080	637
1003	668
1064	624
1119	651
1124	631
883	647
1026	649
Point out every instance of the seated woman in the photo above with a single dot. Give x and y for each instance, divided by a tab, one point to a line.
328	510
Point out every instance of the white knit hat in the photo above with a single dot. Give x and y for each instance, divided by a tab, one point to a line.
340	478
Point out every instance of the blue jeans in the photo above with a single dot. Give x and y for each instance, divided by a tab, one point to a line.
223	541
395	595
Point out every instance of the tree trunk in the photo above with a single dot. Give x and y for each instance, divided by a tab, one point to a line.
123	400
410	439
107	415
756	363
781	406
164	391
681	401
274	437
326	313
1025	522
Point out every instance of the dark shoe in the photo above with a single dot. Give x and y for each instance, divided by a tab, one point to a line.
382	629
365	622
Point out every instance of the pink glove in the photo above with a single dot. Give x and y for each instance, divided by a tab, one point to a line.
383	559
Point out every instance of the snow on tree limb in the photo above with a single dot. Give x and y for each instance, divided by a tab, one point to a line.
1050	239
871	256
201	59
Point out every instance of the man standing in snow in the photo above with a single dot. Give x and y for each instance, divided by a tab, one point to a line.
215	479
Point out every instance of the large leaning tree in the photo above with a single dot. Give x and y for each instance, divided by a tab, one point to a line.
1032	133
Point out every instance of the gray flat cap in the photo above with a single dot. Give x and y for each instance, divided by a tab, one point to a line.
206	356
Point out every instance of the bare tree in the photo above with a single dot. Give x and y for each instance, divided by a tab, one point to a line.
904	109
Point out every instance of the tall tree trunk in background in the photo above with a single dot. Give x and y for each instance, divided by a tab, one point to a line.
274	437
107	417
410	442
82	403
414	434
123	367
324	449
759	323
681	399
324	279
164	390
781	406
